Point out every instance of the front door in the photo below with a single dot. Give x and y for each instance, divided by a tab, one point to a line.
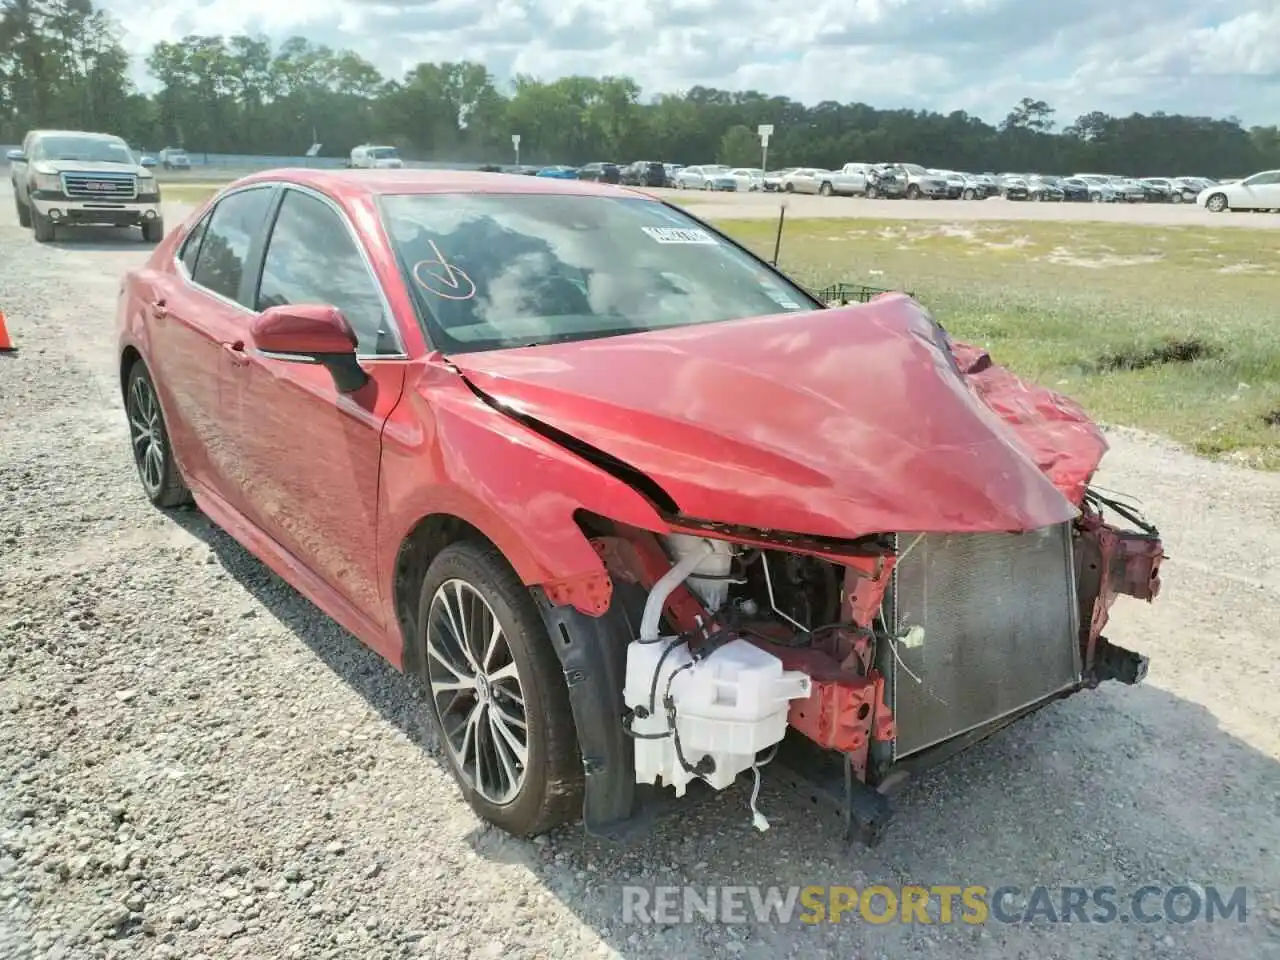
310	455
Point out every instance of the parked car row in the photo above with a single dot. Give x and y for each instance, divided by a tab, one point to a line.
912	181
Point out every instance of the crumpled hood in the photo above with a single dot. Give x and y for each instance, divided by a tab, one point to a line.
840	423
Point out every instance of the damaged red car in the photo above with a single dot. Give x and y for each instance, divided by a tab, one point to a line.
642	513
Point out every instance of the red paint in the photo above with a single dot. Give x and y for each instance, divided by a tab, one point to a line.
837	423
303	328
831	423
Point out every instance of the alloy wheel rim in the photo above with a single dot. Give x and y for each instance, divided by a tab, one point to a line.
477	692
146	434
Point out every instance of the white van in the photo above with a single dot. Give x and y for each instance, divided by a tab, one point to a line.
375	157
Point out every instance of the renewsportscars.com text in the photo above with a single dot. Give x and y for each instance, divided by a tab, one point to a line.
939	904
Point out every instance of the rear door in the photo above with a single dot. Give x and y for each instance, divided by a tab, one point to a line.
310	455
197	317
1264	190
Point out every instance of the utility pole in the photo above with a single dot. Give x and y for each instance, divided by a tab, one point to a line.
515	142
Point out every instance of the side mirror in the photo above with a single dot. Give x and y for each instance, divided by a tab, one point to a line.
311	333
16	156
147	162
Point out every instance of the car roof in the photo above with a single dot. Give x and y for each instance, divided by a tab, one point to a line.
374	183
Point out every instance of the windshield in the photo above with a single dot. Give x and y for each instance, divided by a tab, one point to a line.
913	168
384	153
490	271
89	149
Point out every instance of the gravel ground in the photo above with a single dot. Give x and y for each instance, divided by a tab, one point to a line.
196	763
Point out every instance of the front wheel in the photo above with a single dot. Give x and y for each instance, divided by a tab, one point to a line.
913	192
825	190
872	193
497	692
1217	203
968	195
153	231
149	439
42	226
24	212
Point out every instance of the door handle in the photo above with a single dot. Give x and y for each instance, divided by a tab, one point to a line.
235	350
158	309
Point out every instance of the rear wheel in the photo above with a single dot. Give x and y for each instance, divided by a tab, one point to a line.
968	194
825	190
913	192
24	212
149	439
497	692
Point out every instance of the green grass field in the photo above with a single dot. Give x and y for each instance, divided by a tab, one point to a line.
1172	329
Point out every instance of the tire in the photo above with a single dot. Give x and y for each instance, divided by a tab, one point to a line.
548	788
872	192
1176	198
1095	198
789	188
153	231
913	192
24	213
1037	197
43	227
968	195
157	472
825	190
1217	203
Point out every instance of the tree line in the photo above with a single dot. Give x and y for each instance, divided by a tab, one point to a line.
62	65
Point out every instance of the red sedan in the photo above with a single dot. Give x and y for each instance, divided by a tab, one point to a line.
633	504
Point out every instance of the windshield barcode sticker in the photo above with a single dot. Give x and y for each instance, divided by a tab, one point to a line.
679	235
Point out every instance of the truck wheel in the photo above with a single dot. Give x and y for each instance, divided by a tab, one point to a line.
153	231
24	213
825	190
496	692
872	192
43	227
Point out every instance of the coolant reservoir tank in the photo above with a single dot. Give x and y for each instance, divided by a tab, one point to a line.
729	707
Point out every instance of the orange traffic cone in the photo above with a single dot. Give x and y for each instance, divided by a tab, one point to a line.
6	345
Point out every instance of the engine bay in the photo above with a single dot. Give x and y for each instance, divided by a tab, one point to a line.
878	658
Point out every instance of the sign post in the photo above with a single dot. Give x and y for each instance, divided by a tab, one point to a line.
765	130
515	142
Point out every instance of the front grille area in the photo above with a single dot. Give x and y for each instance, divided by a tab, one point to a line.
1000	630
100	186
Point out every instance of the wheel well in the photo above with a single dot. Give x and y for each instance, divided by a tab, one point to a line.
425	541
127	360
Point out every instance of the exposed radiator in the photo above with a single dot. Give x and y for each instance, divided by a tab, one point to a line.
999	617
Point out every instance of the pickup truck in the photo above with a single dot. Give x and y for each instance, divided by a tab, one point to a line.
73	178
849	181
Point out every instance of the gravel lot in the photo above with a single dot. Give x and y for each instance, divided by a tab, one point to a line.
195	762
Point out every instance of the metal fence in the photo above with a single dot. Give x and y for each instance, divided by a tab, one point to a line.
252	162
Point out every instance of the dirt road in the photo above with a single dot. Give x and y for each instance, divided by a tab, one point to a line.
196	763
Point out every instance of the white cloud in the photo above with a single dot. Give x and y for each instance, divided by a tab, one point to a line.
1183	56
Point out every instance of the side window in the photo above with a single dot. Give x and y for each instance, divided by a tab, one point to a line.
312	258
236	222
191	246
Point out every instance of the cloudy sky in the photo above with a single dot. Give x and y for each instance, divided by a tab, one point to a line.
1215	57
